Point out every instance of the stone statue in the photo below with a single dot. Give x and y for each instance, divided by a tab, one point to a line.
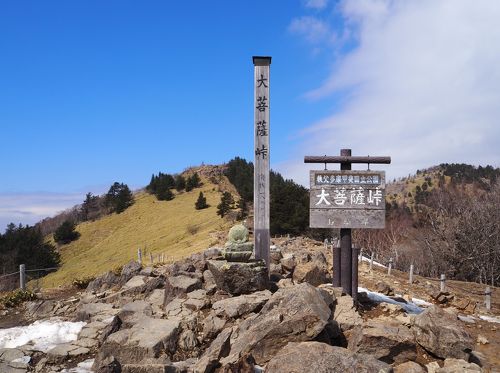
237	247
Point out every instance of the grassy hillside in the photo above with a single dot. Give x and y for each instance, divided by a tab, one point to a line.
174	228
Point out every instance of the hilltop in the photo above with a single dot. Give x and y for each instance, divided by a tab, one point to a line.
173	229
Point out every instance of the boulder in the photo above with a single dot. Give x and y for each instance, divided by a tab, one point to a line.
103	282
310	272
13	360
409	367
94	311
212	325
345	313
239	278
322	358
241	305
148	338
288	262
219	348
384	288
459	366
179	285
391	343
129	270
64	351
441	334
293	314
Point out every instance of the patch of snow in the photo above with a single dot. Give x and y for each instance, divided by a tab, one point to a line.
83	367
381	298
43	334
365	259
22	360
490	318
467	319
420	302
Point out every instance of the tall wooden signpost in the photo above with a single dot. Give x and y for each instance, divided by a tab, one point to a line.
261	150
347	199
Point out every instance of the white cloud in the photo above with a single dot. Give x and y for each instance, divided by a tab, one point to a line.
316	4
312	29
422	85
29	208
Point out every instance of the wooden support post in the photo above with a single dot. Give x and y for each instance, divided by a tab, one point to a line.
345	242
371	261
262	154
354	285
360	256
336	263
487	300
22	276
411	274
442	281
139	256
389	268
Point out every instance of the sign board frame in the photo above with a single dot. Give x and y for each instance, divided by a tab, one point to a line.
347	199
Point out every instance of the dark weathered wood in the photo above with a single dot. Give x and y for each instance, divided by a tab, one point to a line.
354	262
346	159
336	264
262	154
345	240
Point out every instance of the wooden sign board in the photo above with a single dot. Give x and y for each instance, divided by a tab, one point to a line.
347	199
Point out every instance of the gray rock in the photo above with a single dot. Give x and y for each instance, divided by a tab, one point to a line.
129	270
149	338
345	313
177	285
64	351
212	325
133	311
384	288
104	282
241	305
322	358
288	263
239	278
293	314
441	334
391	343
187	340
459	366
310	272
409	367
219	348
94	311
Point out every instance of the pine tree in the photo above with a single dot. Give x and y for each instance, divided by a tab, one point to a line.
180	183
119	197
225	204
66	233
164	194
192	182
201	203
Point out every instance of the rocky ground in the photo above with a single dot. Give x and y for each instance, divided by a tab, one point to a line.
204	314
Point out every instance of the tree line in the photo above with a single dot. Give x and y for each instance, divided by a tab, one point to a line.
161	185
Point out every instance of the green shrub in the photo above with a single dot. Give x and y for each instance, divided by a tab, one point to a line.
17	297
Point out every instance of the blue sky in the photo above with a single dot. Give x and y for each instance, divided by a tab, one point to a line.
94	92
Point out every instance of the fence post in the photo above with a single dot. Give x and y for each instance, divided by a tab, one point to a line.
411	273
371	261
487	301
442	282
22	276
389	268
139	256
360	257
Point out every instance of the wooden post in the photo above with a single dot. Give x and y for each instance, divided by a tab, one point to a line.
22	276
442	282
360	256
389	268
345	242
487	299
354	285
261	151
336	263
371	261
139	256
411	274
